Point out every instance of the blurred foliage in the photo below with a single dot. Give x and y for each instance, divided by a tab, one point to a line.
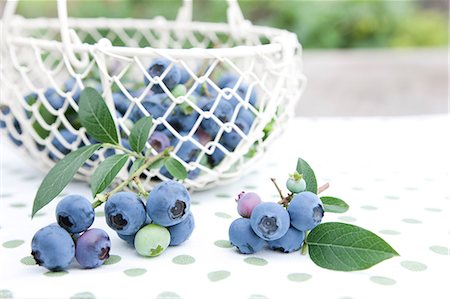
319	24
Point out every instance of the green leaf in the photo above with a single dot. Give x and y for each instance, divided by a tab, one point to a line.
334	205
308	175
140	133
346	247
60	175
175	168
106	172
136	164
158	163
96	118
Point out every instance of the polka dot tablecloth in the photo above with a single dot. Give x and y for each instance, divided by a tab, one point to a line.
393	172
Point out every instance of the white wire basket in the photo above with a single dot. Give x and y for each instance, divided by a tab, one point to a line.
256	71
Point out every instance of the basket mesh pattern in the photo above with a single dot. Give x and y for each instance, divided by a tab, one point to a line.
41	91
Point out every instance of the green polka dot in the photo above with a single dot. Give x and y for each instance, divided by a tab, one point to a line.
358	188
299	277
83	295
369	208
183	260
5	294
250	187
411	221
382	280
30	178
257	296
392	197
389	232
5	195
275	195
218	275
222	215
135	272
223	244
113	259
433	210
413	266
439	249
18	205
28	261
100	214
195	203
168	295
347	218
256	261
223	195
13	243
55	274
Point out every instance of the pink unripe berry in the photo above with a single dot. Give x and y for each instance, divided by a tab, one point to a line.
246	203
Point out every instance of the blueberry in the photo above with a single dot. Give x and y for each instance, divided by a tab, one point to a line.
53	248
92	248
125	213
306	211
183	117
229	81
75	213
184	75
156	105
54	99
71	86
4	110
243	237
243	121
157	68
168	203
182	231
121	102
216	157
127	238
68	136
188	151
194	173
226	79
18	129
296	186
159	141
152	240
291	241
270	221
246	202
223	112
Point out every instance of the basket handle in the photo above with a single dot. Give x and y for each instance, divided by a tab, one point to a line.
235	18
68	36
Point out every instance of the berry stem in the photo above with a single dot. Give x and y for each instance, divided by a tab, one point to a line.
139	186
323	188
305	245
101	198
278	188
121	148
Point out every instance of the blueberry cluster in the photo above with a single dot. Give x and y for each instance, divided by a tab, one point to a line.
55	246
221	99
282	227
165	220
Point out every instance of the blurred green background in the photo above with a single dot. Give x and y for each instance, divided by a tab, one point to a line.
319	24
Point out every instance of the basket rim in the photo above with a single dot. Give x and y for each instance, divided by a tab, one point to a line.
279	39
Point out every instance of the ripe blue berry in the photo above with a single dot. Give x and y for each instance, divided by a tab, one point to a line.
246	202
159	141
223	112
155	104
157	68
270	221
53	248
92	248
74	213
72	87
53	98
127	238
125	213
121	103
306	211
296	186
182	231
68	136
243	237
291	241
243	121
216	157
168	203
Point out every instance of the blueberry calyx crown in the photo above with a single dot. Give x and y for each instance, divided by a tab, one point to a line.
318	213
118	221
268	225
36	255
64	221
178	210
104	253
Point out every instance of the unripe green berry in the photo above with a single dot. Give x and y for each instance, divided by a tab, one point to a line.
296	186
152	240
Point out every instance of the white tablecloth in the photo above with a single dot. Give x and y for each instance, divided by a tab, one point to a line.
394	173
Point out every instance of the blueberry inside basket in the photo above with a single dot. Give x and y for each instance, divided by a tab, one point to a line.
219	93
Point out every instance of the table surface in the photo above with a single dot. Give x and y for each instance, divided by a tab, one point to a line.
394	173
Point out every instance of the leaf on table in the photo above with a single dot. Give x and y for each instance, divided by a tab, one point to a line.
346	247
308	175
106	172
96	118
175	168
60	175
334	205
140	133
